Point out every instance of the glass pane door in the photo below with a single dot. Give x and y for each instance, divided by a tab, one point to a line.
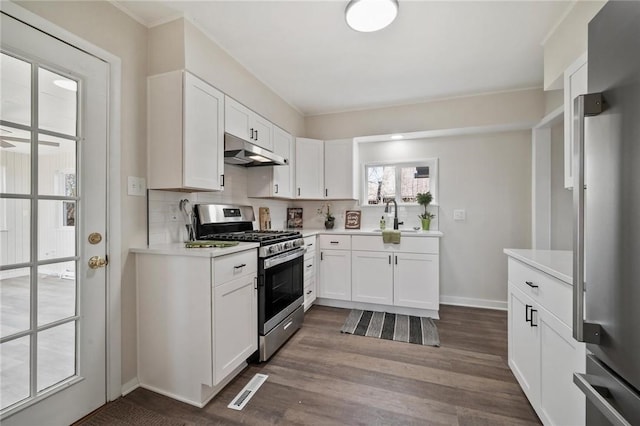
39	201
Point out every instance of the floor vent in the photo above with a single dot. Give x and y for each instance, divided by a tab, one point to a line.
247	392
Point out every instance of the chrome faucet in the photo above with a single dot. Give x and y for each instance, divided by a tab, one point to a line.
395	216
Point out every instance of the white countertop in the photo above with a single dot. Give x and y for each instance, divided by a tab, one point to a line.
178	249
307	232
557	263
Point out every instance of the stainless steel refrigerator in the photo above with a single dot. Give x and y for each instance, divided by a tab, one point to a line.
607	217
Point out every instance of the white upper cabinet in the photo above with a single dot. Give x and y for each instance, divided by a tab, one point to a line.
240	121
274	181
339	169
309	168
186	134
575	83
324	169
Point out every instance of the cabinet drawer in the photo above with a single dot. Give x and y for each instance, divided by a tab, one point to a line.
310	244
309	268
229	267
335	242
428	245
551	293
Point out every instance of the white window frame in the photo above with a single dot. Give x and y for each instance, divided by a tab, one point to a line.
432	163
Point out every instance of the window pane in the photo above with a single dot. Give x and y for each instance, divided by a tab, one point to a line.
56	292
15	226
14	364
15	298
57	106
56	166
56	354
56	229
414	181
15	161
15	84
381	184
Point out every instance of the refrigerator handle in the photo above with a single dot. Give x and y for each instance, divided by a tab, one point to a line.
584	106
597	397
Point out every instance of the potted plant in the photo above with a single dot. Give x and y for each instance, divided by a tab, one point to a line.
424	199
329	218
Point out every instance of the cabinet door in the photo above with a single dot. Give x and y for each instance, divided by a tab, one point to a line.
524	343
309	168
575	83
372	277
282	176
237	119
235	324
262	130
203	135
335	274
415	281
338	169
561	402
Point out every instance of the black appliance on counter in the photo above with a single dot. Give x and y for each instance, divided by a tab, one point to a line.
280	269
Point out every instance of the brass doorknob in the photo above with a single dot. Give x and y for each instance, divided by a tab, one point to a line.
96	262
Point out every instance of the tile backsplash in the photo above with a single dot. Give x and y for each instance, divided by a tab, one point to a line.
167	222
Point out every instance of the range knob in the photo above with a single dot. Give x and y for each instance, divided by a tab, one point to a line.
287	245
271	249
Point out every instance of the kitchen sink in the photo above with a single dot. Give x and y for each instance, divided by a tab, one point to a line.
402	231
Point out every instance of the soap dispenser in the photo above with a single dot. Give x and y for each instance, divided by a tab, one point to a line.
383	224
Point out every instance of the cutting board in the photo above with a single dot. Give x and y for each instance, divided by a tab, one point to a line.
264	218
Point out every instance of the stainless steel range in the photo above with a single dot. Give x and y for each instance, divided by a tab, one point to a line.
280	269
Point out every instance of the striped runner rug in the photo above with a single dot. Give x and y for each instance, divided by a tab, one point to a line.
383	325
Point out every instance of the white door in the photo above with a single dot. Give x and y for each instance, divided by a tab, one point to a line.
53	122
338	169
415	280
335	274
282	143
309	168
372	277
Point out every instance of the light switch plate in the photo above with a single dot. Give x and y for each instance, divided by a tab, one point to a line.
136	186
459	215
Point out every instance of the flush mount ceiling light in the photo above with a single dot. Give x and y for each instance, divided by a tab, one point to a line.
396	137
370	15
67	84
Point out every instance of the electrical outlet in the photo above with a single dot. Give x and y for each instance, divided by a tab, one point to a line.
459	215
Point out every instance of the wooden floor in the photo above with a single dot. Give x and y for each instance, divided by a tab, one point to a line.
322	377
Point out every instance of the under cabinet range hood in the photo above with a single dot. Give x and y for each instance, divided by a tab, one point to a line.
240	152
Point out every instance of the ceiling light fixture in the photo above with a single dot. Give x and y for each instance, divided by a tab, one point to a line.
67	84
396	137
370	15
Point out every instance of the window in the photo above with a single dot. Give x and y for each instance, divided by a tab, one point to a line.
400	181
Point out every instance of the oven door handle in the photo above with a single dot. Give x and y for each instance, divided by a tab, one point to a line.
285	257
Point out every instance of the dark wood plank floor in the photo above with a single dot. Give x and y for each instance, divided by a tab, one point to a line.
322	377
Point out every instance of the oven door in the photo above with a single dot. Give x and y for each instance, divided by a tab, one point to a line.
280	288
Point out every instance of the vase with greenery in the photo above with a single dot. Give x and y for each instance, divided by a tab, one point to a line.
329	218
424	199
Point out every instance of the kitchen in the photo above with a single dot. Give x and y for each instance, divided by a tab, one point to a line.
499	153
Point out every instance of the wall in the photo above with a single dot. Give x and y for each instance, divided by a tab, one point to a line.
523	106
561	198
568	41
488	175
180	44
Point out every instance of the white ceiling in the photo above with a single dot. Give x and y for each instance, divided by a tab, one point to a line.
305	52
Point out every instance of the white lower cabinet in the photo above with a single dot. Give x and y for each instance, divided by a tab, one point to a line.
195	330
235	324
404	275
542	352
372	277
310	280
335	274
415	280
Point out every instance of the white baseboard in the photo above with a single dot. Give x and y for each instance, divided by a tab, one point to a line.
130	386
347	304
474	303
